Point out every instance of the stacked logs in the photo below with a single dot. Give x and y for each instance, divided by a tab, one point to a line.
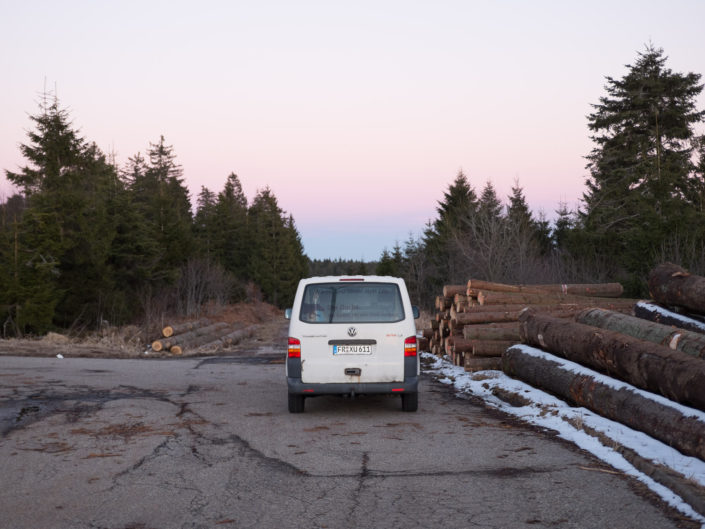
199	334
646	375
476	322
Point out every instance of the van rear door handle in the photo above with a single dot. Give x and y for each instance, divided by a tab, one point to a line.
353	371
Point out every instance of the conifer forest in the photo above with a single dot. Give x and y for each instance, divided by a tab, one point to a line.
84	241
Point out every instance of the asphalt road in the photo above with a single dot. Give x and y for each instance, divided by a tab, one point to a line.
209	443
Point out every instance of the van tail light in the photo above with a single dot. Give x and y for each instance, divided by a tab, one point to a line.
294	347
410	346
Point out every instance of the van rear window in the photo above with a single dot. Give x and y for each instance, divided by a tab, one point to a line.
351	303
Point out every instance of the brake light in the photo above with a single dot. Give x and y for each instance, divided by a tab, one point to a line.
294	348
410	346
352	279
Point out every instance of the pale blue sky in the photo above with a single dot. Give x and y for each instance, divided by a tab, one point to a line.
357	115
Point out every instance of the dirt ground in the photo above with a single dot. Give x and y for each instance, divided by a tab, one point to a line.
265	322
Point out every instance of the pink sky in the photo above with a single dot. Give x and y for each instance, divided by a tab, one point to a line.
357	115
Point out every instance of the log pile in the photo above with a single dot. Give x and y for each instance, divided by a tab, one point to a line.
647	375
474	323
200	334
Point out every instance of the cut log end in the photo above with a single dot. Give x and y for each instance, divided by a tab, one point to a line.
168	331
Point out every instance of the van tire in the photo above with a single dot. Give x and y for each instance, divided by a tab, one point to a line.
410	401
296	403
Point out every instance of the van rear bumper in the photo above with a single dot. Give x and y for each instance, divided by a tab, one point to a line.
297	387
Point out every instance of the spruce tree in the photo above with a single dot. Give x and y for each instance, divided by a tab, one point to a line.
642	187
276	259
66	232
232	238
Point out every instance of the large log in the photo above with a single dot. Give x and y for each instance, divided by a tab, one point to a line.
691	343
451	290
498	316
612	290
669	284
651	312
491	332
230	338
677	426
486	297
179	328
481	347
649	366
472	364
181	339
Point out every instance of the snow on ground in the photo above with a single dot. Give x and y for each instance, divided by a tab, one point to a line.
547	411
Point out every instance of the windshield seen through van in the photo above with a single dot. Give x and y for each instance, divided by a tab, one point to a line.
351	303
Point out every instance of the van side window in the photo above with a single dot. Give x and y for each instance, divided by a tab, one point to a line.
352	303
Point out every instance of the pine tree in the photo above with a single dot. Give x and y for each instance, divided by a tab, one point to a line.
455	216
641	189
518	213
204	222
277	261
489	207
65	235
162	201
232	237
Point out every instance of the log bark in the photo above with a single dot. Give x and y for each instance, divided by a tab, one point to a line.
451	290
481	347
490	348
230	338
616	401
648	366
669	284
498	316
190	336
179	328
611	290
691	343
657	314
486	297
472	364
489	332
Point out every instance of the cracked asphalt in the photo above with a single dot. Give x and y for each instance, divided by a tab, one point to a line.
204	443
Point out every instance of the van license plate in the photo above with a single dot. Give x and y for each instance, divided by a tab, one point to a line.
352	349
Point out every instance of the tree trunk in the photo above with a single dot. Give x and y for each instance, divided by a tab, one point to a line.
497	316
171	330
230	338
472	364
649	366
651	312
691	343
489	332
451	290
186	337
670	284
481	347
615	400
486	297
610	290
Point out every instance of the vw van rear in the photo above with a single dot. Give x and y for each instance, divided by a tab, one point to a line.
352	336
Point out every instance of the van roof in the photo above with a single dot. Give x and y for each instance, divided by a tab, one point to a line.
352	278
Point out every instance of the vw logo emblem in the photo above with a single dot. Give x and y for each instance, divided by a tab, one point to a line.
352	331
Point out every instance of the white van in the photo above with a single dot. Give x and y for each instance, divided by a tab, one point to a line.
350	336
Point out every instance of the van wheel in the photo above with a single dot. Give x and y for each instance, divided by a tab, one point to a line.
296	403
410	401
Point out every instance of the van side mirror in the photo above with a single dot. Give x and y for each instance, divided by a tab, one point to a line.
287	314
415	312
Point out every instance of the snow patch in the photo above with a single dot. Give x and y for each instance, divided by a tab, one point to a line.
549	412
